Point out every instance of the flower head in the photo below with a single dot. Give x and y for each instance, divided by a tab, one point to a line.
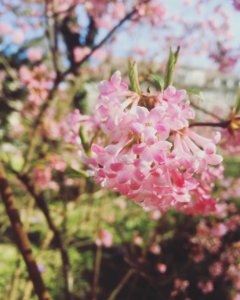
146	151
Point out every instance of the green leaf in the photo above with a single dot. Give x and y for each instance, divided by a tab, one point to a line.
83	137
133	76
159	82
172	60
193	91
17	163
72	173
236	107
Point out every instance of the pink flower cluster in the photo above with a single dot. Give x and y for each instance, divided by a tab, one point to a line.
225	59
211	237
154	10
42	175
38	81
230	141
105	13
144	148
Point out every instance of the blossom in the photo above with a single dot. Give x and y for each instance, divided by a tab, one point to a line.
181	284
236	4
42	176
18	37
80	53
223	55
5	28
34	54
57	163
104	238
154	10
216	269
230	141
161	268
38	82
206	287
145	149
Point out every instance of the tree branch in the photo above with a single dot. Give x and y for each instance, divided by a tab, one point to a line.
22	239
223	124
42	205
127	17
202	109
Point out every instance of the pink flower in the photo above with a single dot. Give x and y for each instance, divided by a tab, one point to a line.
138	240
219	230
155	249
57	163
154	10
18	37
80	53
5	29
114	85
42	178
230	141
224	57
216	269
104	238
145	149
38	81
100	54
34	54
236	4
162	268
206	287
119	10
181	284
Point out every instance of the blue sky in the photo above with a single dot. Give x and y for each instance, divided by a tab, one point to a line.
142	36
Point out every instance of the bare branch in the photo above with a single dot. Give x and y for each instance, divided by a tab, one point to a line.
22	239
42	205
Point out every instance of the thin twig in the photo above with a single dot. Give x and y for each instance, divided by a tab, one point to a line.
53	40
127	17
121	284
206	111
223	124
97	267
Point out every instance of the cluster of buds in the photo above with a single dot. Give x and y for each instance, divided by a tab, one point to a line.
141	145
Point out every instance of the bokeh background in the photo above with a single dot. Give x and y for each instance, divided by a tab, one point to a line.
90	243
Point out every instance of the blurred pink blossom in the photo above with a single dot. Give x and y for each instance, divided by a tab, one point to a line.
5	28
104	238
236	4
162	268
80	53
18	37
206	286
34	54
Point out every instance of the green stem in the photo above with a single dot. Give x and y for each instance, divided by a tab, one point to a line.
121	284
